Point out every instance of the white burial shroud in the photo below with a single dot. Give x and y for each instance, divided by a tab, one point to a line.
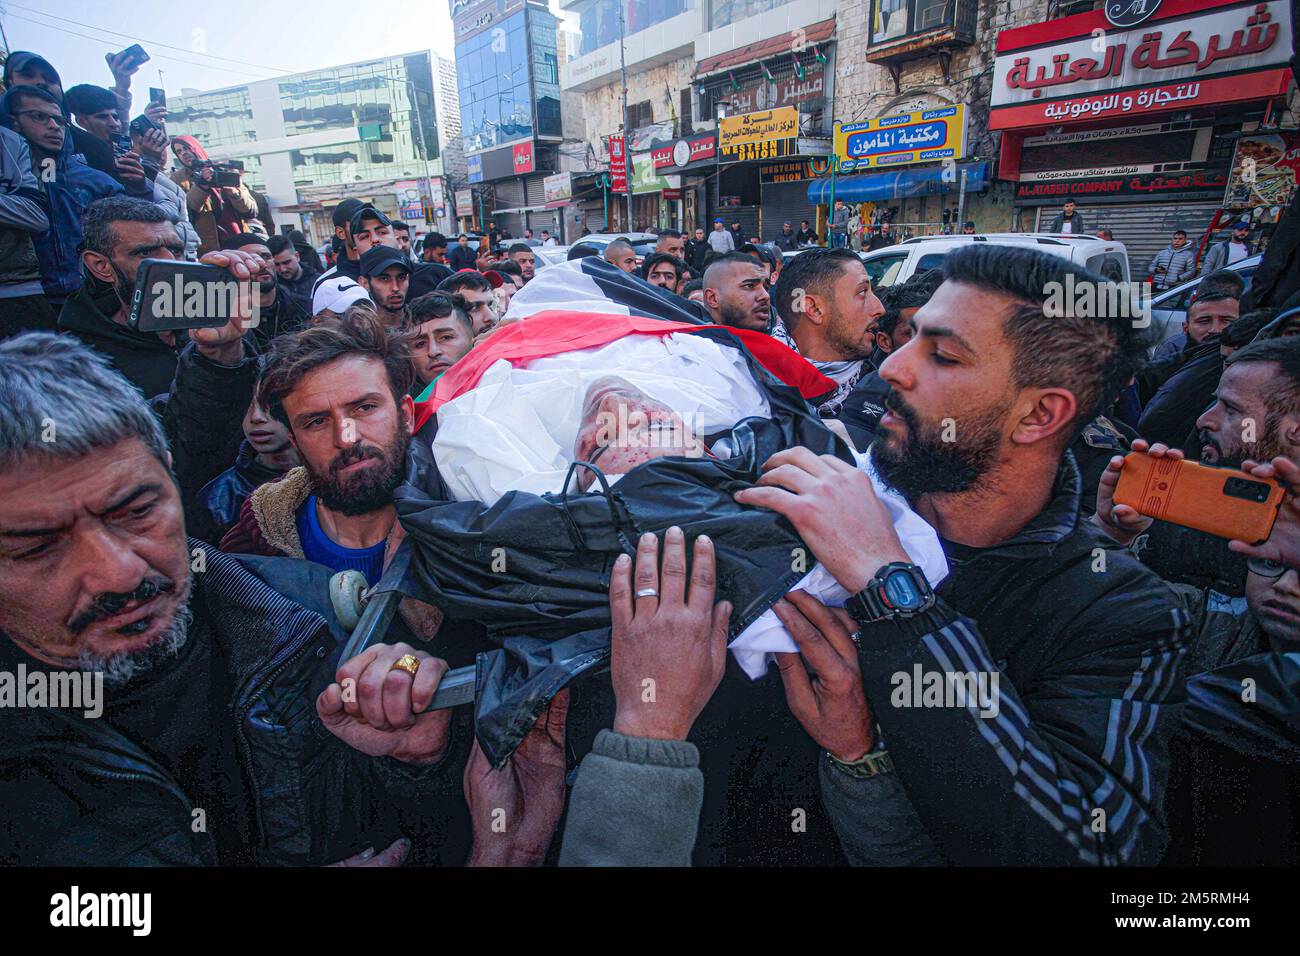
516	430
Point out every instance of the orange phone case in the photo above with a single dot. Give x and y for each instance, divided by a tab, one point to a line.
1193	495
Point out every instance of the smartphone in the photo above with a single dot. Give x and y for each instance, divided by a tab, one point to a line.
121	144
1220	501
172	294
135	53
157	95
141	125
225	177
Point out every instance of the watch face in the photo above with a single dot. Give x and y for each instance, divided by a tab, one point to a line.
901	591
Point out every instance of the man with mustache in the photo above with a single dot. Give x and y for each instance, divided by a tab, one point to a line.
342	389
195	757
1067	764
1255	415
736	294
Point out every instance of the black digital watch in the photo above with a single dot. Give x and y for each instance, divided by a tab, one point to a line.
897	592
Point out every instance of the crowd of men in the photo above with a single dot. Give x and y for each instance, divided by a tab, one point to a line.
174	506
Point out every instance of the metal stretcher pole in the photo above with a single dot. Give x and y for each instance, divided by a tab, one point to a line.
456	687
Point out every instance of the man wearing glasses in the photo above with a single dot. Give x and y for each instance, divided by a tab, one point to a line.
68	183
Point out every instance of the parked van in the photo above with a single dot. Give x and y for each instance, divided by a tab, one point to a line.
894	264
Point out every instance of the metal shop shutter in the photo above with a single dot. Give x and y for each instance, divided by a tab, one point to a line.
1144	228
782	202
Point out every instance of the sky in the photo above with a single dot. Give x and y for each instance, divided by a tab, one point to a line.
206	46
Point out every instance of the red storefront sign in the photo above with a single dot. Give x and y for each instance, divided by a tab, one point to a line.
685	151
523	158
617	164
1191	54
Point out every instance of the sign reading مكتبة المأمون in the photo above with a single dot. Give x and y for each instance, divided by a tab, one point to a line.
921	136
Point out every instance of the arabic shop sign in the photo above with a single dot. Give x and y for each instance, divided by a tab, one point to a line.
923	136
1142	187
682	153
1171	64
765	94
766	135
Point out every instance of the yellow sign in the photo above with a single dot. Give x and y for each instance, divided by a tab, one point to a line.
769	126
922	136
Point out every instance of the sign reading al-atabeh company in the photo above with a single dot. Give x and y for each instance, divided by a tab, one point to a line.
1141	187
766	135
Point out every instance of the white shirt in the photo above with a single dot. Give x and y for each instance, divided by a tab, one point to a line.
1236	252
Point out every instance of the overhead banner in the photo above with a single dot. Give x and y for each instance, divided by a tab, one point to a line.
924	136
766	135
1075	69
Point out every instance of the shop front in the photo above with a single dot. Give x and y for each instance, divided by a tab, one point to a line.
749	144
692	161
903	168
1140	125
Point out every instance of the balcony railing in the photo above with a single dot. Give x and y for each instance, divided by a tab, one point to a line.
903	29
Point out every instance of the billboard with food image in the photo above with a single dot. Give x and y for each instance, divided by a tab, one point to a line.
1264	171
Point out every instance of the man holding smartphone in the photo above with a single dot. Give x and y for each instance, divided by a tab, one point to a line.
121	232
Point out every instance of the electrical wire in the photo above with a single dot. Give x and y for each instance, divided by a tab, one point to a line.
129	36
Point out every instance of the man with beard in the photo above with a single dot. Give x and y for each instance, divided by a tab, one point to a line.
210	674
1078	666
893	329
1255	415
735	292
386	275
294	272
342	389
825	301
281	310
663	270
521	254
620	253
120	232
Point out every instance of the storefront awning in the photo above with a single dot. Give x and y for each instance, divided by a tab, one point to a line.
898	184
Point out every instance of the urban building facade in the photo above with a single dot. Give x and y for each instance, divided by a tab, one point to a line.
507	66
369	130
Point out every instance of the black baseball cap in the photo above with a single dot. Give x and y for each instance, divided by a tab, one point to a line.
378	258
367	211
345	210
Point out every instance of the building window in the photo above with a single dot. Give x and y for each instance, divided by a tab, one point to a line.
892	19
725	12
598	22
639	114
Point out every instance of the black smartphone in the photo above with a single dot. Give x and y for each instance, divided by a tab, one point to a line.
141	125
158	96
135	53
121	144
172	294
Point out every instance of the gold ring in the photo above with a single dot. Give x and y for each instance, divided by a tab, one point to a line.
407	662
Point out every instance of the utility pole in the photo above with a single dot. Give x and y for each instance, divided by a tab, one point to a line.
627	132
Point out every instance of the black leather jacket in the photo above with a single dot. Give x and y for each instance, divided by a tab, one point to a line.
79	793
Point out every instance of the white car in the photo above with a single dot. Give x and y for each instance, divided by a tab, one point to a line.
1169	309
643	243
894	264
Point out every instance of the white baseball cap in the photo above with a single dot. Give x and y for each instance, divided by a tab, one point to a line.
336	294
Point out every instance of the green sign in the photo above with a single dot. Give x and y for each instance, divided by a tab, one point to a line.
644	179
370	132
